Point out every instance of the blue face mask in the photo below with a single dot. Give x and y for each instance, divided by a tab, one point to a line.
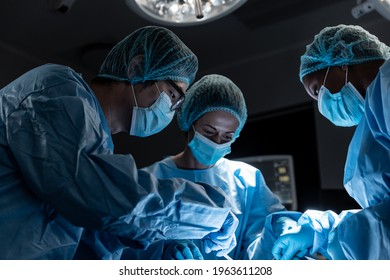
206	151
344	108
151	120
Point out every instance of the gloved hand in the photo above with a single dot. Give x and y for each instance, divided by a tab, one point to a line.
283	225
224	240
182	250
294	243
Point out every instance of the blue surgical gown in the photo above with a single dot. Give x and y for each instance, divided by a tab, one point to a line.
362	233
58	175
250	198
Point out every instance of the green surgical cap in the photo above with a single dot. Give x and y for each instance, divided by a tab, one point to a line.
150	53
341	45
212	93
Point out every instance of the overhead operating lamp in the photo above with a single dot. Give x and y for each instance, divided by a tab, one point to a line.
364	7
183	12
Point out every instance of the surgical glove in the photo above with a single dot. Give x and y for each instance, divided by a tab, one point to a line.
182	250
224	240
283	225
294	244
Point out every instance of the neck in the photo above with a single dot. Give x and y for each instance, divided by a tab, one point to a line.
116	104
186	160
363	75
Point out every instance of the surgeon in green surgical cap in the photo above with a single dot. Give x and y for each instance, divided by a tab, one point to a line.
58	173
212	117
346	70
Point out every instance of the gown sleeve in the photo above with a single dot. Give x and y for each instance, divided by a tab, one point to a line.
262	203
362	234
325	225
62	150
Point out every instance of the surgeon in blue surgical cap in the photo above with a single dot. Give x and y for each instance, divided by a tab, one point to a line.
212	117
58	173
347	71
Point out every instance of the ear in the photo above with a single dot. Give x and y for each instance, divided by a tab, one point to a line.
190	133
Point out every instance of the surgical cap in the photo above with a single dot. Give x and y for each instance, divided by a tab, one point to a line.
212	93
150	53
341	45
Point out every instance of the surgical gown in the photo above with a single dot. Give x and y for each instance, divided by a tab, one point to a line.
58	175
250	198
362	233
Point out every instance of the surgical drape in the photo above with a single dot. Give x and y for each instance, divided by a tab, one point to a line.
250	198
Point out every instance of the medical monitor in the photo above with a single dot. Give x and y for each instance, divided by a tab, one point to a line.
278	172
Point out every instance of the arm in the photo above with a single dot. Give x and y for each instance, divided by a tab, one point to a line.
63	151
264	202
362	235
259	202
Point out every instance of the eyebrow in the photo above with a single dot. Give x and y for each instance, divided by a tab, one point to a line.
176	87
210	126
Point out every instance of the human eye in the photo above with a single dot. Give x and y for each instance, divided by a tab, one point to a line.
172	95
175	91
208	132
229	137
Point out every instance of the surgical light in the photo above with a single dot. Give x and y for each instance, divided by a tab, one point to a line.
183	12
364	7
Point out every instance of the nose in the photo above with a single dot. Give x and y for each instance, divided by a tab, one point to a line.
217	139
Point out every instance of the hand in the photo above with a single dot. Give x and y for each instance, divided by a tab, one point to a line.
294	244
182	250
283	225
224	240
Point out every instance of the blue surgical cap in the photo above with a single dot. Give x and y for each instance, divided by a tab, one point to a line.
341	45
150	53
212	93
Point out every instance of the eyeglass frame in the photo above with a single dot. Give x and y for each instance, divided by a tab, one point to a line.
176	106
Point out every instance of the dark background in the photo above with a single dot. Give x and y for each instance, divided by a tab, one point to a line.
258	46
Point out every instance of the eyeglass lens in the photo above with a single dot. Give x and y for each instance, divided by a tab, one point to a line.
179	102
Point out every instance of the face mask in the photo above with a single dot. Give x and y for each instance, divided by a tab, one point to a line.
344	108
206	151
151	120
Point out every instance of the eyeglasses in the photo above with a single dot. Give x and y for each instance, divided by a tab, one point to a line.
175	106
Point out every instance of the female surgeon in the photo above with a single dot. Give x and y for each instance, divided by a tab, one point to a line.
212	117
58	172
346	69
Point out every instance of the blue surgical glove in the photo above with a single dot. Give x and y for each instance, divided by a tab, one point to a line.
294	243
283	225
224	240
182	250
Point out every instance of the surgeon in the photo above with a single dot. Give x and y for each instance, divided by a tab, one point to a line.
58	173
347	71
212	117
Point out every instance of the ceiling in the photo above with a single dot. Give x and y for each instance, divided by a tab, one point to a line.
262	39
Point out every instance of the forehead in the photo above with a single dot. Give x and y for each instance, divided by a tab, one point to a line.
221	120
181	85
317	76
313	81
